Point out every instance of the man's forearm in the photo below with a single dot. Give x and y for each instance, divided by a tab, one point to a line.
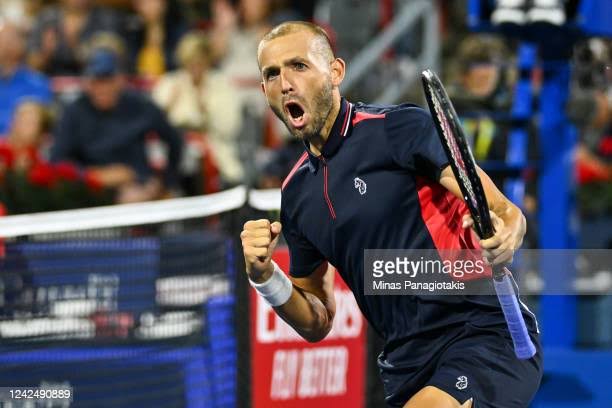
310	307
307	314
511	215
306	303
504	208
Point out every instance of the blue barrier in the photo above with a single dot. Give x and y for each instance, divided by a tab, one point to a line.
575	379
595	17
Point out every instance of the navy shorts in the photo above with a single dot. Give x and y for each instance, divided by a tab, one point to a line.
468	361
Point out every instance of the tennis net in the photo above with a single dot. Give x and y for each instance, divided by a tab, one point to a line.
129	305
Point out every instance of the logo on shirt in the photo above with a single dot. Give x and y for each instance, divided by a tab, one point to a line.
360	185
462	382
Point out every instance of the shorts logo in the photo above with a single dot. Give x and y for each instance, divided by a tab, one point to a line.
462	382
360	185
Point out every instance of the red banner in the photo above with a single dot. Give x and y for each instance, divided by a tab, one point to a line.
289	372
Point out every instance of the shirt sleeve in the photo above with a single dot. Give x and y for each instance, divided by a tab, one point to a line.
304	257
414	143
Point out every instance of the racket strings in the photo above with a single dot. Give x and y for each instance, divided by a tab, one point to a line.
454	149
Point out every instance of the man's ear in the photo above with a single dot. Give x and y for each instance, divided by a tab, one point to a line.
263	89
338	67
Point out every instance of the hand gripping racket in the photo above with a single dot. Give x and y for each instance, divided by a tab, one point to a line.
463	165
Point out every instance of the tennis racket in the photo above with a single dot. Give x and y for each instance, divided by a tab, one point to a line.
464	168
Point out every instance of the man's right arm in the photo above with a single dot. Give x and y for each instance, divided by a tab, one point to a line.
310	307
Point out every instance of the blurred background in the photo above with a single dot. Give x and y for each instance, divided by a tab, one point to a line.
135	141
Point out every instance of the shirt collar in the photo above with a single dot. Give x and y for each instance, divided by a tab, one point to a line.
339	131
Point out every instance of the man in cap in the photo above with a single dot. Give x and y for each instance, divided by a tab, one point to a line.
110	129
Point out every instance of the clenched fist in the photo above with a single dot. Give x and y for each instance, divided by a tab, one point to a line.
259	238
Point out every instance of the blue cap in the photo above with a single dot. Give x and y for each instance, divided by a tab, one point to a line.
102	63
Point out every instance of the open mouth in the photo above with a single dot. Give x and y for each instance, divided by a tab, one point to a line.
296	114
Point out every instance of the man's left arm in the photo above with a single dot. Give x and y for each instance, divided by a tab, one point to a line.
414	145
508	220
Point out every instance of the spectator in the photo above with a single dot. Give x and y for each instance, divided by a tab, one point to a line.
479	66
152	36
21	12
28	131
16	80
60	30
108	129
199	99
236	35
480	90
590	109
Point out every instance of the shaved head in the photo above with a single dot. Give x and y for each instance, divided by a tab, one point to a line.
320	45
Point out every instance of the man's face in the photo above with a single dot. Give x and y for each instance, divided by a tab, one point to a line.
104	92
297	83
481	79
11	44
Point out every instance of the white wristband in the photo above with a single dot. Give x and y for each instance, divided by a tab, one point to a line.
277	289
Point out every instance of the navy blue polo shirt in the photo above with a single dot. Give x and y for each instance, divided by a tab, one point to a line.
375	185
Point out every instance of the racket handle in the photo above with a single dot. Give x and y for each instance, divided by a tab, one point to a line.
523	346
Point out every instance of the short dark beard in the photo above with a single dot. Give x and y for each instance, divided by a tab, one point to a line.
322	107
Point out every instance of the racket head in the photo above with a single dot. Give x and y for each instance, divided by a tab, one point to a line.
457	150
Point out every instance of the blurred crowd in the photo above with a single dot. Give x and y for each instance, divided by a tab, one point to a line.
148	97
161	98
483	73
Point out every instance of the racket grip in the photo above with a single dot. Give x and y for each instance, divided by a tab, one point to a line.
523	346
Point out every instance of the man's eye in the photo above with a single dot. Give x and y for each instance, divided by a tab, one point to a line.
299	66
271	75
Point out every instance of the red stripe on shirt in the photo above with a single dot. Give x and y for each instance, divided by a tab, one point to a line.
295	168
359	116
443	214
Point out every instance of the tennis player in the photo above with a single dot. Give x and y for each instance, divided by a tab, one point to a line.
377	177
